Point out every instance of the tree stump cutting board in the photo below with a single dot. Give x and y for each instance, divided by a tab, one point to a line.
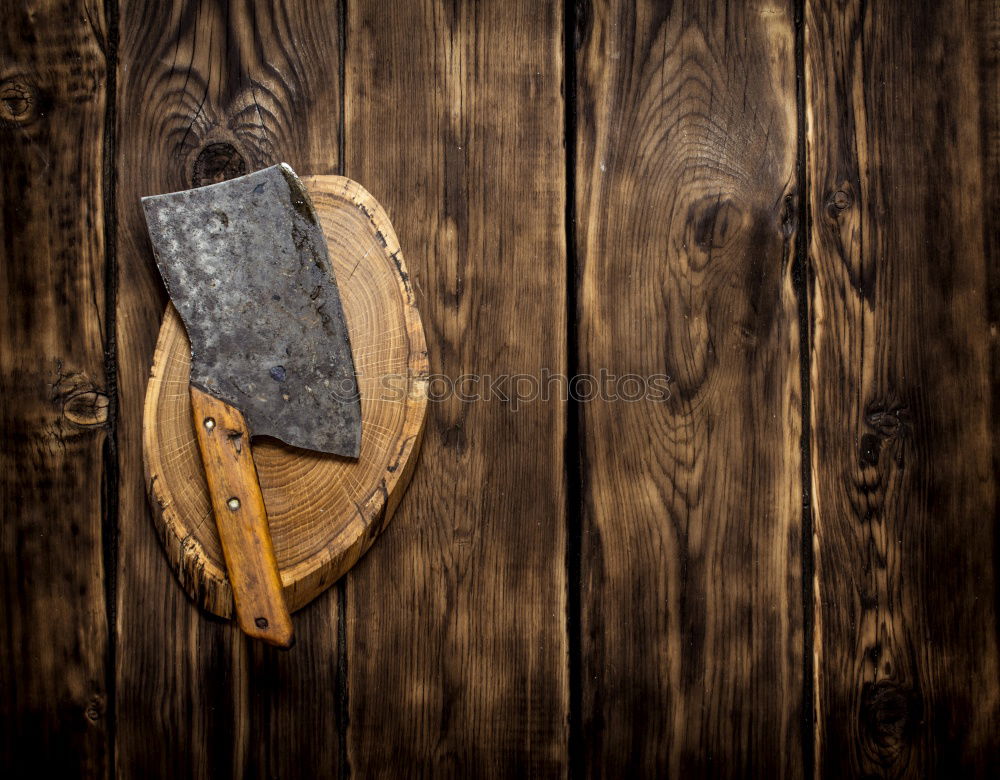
324	510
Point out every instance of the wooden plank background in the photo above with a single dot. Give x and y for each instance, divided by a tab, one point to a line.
784	565
691	623
904	489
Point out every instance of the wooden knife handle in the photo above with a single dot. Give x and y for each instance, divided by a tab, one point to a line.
224	441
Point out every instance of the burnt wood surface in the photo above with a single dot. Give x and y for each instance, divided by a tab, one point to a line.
690	573
903	439
784	565
456	633
207	91
57	459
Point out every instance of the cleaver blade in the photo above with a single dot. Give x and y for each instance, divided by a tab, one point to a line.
245	263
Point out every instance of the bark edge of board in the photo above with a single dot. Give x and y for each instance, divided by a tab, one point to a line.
324	511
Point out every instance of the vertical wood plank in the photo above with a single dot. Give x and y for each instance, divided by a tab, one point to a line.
456	618
207	91
904	429
692	624
53	392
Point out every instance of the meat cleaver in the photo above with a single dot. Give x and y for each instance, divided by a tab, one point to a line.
246	265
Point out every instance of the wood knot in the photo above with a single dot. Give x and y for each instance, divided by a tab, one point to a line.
217	162
889	419
839	200
82	401
891	425
890	714
94	709
18	102
871	446
714	222
87	409
789	216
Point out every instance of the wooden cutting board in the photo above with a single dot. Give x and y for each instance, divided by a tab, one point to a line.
324	510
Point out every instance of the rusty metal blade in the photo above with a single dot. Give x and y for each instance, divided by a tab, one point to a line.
246	265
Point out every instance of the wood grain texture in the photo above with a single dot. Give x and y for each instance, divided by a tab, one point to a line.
456	627
685	199
54	403
324	511
904	428
206	91
703	626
